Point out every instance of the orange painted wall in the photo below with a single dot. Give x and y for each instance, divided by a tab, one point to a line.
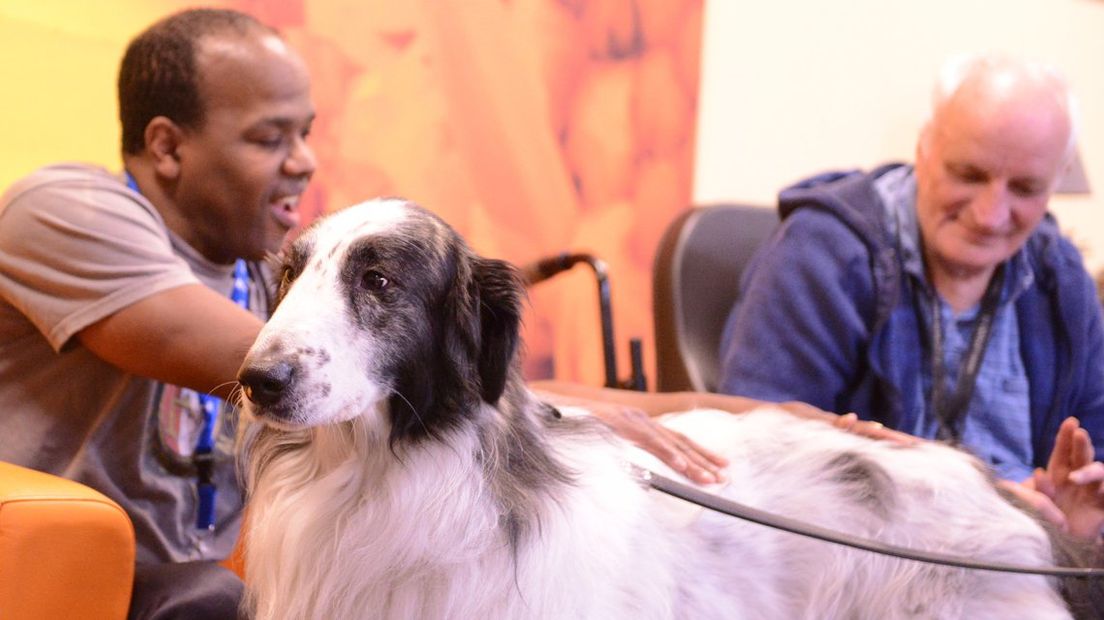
533	126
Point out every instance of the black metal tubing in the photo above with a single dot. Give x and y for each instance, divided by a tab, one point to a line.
548	267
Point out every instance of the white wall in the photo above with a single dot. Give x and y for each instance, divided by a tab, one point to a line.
792	87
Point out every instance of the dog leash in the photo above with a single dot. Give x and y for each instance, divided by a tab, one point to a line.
794	526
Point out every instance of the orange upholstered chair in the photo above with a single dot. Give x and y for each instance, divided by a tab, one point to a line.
66	551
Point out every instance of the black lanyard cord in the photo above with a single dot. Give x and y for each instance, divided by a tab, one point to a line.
949	411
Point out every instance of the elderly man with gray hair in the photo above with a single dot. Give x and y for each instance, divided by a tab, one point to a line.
940	298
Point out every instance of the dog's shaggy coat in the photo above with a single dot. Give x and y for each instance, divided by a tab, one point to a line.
398	468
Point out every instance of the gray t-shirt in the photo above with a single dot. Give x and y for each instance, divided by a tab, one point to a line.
77	245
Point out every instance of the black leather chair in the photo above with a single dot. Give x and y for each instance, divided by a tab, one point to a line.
697	272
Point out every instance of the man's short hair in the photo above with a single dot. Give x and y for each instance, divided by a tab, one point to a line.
157	76
957	69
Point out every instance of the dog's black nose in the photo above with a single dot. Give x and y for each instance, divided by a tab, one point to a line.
265	383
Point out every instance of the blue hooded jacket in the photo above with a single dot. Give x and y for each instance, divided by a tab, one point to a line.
826	316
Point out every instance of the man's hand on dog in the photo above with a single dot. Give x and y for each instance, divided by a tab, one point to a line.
1069	493
630	414
851	423
701	465
1073	482
678	451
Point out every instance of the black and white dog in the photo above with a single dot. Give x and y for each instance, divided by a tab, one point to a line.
398	468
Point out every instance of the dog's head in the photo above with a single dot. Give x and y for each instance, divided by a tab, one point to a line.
383	309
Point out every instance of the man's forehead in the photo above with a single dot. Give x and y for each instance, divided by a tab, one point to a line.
1011	98
227	44
1031	125
236	70
237	51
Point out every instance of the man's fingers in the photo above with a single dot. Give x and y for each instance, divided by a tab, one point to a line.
845	421
1061	456
1089	474
1049	511
708	470
1081	450
1042	483
695	448
803	410
667	447
888	434
665	450
703	464
1037	501
874	430
695	467
672	448
702	475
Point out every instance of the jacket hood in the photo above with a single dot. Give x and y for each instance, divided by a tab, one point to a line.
847	194
851	197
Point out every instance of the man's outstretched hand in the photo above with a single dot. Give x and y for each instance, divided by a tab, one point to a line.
1074	481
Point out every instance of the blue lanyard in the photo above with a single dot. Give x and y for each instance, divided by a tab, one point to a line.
202	456
212	405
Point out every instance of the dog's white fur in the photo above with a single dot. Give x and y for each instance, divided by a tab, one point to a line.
503	510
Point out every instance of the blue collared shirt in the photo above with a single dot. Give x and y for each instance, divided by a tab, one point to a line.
997	422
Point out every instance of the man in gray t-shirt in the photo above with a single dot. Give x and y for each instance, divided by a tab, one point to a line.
69	412
99	270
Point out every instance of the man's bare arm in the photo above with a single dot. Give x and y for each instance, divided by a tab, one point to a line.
189	336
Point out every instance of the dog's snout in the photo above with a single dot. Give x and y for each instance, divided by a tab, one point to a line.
266	381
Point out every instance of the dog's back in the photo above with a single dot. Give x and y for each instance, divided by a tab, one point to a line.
927	497
398	468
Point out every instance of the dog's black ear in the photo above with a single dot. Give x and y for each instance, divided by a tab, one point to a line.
500	296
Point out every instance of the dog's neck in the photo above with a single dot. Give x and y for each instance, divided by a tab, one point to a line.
419	510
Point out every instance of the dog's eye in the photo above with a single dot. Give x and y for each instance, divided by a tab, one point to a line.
375	281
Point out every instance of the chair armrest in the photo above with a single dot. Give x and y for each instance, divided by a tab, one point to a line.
66	551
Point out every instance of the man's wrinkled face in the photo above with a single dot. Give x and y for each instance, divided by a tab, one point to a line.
244	170
984	177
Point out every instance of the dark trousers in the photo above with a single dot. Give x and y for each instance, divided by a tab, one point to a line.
185	591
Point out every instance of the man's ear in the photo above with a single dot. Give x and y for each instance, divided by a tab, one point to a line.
163	139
